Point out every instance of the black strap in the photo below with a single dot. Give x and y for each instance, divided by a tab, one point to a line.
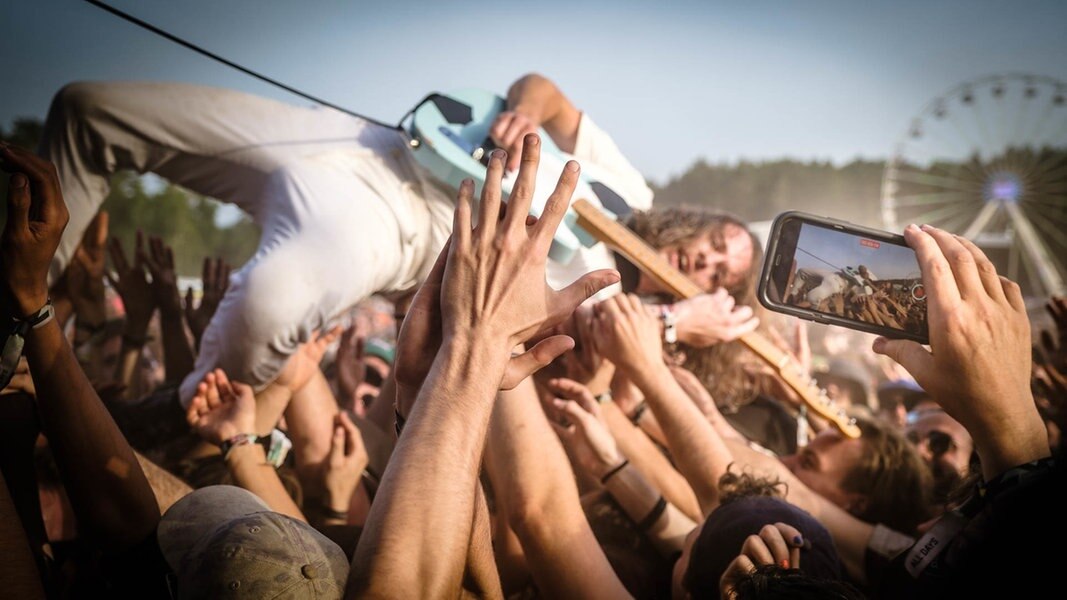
653	515
230	63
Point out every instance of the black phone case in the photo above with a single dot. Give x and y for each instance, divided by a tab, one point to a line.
818	317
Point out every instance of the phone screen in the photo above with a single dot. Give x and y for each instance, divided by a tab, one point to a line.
856	277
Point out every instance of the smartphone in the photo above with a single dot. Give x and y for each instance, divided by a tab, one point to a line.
837	273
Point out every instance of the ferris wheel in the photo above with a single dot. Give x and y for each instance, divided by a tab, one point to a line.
988	160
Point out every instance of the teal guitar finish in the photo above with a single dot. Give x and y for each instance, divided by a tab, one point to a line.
450	138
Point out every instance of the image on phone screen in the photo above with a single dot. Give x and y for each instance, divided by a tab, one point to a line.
849	275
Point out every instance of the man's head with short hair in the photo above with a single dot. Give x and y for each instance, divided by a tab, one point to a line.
879	477
223	541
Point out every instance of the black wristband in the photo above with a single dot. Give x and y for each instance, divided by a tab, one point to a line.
330	513
614	471
653	515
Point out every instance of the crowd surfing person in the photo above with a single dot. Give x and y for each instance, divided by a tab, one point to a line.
515	405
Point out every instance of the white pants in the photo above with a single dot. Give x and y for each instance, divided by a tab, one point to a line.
344	210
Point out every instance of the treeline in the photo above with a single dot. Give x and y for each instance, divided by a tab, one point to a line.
757	191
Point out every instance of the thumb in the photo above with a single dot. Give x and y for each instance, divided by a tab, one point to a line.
18	203
534	359
574	294
910	355
337	445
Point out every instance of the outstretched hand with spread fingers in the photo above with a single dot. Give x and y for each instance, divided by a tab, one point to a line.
495	275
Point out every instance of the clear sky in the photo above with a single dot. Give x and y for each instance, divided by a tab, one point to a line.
672	81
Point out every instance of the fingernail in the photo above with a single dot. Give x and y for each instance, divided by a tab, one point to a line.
531	139
784	563
926	227
499	154
572	166
879	344
798	540
18	181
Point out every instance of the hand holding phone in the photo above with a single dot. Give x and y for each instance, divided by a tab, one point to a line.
834	272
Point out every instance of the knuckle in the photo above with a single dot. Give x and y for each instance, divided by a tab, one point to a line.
961	257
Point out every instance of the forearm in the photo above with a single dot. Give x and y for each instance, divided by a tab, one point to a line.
530	469
480	579
638	498
107	488
540	99
18	570
249	468
698	450
271	403
178	358
309	417
417	536
381	411
167	488
647	459
1011	442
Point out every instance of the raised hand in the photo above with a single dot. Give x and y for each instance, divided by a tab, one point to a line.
343	468
85	274
508	131
305	361
350	365
221	409
978	364
502	259
585	434
36	217
494	280
777	544
709	319
215	276
160	262
626	334
132	285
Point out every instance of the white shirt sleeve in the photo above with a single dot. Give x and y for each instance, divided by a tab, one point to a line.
596	147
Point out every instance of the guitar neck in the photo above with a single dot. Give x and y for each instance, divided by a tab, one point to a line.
650	262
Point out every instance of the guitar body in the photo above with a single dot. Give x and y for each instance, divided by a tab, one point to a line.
450	138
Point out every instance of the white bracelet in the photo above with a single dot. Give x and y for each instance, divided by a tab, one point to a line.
670	322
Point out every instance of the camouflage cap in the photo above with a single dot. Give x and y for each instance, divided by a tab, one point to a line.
224	542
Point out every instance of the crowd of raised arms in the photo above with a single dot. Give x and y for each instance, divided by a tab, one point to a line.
516	440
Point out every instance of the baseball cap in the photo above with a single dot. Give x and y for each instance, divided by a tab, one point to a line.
222	541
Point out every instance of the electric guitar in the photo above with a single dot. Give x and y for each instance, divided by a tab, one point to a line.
450	137
602	227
